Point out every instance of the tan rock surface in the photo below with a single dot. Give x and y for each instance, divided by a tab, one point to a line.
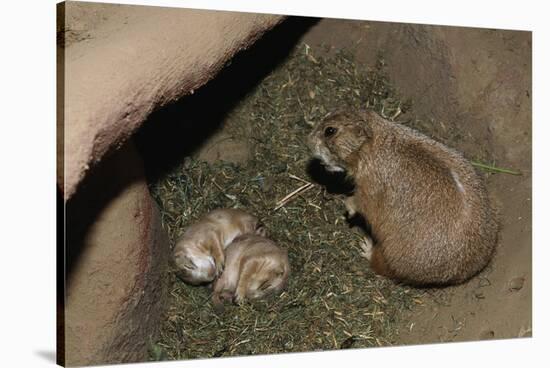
116	259
122	62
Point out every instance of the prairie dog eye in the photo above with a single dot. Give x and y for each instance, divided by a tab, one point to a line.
330	131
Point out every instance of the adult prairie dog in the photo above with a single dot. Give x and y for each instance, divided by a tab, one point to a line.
255	267
199	252
429	212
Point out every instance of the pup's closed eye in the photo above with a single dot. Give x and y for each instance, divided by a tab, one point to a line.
264	285
188	264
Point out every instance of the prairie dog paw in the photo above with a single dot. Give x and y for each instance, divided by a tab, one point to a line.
238	299
351	209
366	246
219	267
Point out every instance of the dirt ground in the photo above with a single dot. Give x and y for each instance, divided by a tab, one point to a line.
468	88
476	84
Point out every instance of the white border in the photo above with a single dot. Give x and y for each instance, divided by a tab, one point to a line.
471	13
27	315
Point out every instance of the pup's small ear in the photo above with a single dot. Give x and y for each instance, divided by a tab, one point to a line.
261	230
280	271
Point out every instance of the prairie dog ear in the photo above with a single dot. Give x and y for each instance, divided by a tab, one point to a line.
363	129
369	115
261	230
280	271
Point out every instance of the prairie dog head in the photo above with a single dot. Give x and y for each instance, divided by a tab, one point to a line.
255	267
270	276
199	252
196	267
337	137
264	268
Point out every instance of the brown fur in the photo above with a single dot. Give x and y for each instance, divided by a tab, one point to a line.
199	252
378	263
428	209
255	267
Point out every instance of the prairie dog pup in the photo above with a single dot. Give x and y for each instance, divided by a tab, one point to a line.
199	252
428	210
255	267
